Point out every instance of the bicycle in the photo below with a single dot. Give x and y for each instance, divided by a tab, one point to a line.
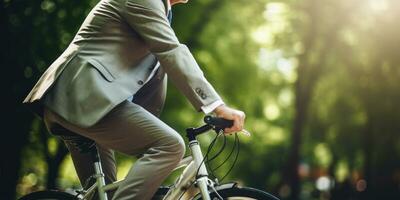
195	173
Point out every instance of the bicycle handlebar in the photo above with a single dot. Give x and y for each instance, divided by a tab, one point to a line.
218	123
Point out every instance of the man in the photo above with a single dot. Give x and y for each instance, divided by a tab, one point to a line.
109	86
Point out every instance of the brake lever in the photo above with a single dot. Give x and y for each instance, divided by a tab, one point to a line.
245	132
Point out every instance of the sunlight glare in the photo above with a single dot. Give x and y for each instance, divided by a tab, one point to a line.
378	6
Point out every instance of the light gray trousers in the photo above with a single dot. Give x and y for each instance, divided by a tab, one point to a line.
132	130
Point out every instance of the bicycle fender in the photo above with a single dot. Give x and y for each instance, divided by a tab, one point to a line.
218	188
226	186
229	188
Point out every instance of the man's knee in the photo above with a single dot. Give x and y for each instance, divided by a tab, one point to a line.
176	145
181	147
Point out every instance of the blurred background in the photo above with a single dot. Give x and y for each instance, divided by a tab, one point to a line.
318	79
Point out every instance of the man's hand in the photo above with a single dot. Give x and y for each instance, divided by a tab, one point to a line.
237	116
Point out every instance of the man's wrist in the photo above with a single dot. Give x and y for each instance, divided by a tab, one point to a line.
211	107
219	109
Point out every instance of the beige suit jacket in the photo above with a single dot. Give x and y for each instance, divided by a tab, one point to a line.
109	59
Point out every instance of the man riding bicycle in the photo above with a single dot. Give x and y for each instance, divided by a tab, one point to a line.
109	86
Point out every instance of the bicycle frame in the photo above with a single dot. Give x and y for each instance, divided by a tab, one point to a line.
194	164
195	172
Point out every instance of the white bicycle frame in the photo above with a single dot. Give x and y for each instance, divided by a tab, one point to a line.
193	164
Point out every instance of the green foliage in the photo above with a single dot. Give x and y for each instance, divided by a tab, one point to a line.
338	58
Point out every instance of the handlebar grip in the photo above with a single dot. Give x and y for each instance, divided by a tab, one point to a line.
220	123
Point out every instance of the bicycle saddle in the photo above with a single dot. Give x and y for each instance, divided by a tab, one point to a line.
81	143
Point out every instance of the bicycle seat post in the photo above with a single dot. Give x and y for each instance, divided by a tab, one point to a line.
99	175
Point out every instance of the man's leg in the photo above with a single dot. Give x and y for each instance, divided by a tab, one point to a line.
130	129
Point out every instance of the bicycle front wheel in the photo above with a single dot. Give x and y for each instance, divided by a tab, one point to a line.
236	193
49	195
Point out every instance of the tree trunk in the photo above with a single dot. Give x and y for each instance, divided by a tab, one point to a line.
15	120
54	164
308	74
302	96
368	141
291	175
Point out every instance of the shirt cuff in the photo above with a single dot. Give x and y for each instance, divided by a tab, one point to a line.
211	107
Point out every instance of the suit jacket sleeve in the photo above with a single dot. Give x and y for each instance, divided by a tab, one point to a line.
148	19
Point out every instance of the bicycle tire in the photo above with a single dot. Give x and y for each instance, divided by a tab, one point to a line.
58	195
242	193
49	195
